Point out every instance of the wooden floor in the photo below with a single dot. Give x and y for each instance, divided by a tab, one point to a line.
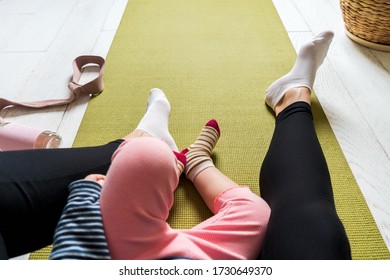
39	39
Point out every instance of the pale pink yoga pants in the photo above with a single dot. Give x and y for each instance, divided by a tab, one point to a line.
135	203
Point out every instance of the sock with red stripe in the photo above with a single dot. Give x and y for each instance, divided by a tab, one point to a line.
199	153
181	162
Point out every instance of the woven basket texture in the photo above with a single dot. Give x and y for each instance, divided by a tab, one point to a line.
368	19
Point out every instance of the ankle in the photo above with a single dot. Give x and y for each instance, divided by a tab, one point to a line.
181	162
199	153
291	96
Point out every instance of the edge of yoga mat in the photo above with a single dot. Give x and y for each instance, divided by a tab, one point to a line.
214	59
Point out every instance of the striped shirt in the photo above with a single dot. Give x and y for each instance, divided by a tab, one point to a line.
79	233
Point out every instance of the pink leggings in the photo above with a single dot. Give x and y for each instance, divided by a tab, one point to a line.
135	203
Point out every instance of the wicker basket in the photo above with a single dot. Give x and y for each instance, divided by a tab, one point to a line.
368	22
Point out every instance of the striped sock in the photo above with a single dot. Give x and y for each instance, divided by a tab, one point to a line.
199	153
181	162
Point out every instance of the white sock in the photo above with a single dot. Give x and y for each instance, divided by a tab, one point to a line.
310	57
156	119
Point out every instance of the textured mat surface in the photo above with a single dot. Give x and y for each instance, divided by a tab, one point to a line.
214	59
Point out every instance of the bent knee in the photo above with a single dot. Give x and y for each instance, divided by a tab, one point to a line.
143	161
151	152
244	206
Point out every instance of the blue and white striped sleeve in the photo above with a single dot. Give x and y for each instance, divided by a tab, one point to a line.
79	233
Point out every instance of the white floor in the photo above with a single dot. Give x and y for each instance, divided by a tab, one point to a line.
40	38
38	41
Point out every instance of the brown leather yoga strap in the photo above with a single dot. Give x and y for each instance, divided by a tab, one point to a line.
92	88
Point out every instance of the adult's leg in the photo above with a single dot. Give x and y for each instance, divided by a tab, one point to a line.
294	177
34	189
3	249
138	190
295	182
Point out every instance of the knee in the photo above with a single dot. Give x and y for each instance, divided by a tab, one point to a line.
142	176
144	159
142	152
249	209
261	212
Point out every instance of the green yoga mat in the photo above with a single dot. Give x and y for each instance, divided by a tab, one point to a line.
214	59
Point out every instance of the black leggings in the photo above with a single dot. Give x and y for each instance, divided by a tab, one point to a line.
295	182
34	190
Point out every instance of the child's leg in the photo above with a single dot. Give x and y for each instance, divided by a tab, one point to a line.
137	196
135	160
199	160
237	229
